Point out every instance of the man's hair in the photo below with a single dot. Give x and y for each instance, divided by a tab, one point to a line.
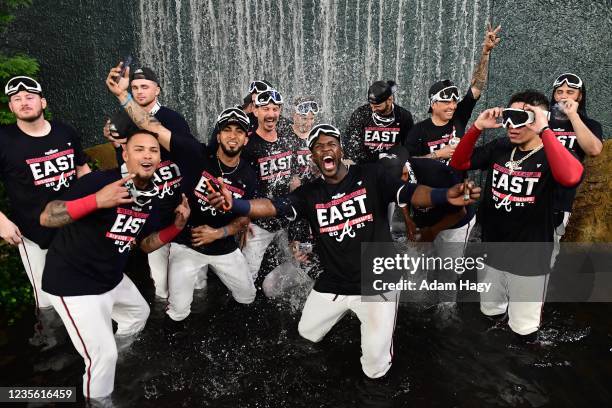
531	97
140	131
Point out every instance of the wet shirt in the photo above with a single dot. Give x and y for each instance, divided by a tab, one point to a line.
516	205
425	137
87	257
36	170
200	165
273	164
364	139
564	131
168	175
342	217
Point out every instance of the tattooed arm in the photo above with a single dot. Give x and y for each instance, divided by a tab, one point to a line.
141	118
58	213
479	79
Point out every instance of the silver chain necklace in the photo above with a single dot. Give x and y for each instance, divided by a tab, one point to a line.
223	174
515	164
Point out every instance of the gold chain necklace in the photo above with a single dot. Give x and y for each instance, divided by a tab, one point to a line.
515	164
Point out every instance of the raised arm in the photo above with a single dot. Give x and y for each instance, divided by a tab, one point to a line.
160	238
141	118
461	159
58	213
587	140
479	78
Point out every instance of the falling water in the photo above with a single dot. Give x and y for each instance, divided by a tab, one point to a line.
207	51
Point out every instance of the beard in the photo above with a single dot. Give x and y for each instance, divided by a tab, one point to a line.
231	153
33	117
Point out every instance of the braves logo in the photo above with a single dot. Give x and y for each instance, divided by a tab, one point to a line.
346	230
166	191
61	182
506	203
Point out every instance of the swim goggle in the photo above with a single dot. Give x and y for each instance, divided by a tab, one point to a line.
266	97
322	128
22	83
233	114
141	197
383	121
446	95
308	106
572	80
259	86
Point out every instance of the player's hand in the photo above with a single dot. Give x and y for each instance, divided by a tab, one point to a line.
244	236
204	234
446	152
541	119
182	212
114	194
411	228
488	119
569	107
221	200
490	39
110	135
9	231
456	194
116	84
294	183
301	257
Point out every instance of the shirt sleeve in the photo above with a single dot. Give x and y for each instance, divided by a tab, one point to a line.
483	155
406	127
414	141
465	108
292	206
352	145
80	158
393	189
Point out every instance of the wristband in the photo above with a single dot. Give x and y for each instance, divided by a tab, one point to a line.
129	98
169	233
81	207
542	130
241	207
438	196
225	234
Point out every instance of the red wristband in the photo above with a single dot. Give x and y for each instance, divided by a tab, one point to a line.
81	207
169	233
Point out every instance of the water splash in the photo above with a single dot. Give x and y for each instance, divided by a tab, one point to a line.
206	52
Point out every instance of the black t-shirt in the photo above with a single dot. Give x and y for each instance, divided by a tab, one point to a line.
363	139
434	173
168	176
425	137
516	206
87	257
342	217
273	164
200	164
564	131
36	170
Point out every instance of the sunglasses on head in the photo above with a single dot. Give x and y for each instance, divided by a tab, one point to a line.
308	106
259	86
22	83
320	129
266	97
572	80
446	95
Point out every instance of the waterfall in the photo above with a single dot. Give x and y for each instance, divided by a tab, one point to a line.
206	52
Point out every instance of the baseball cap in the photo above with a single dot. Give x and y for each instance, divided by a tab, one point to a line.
123	124
380	91
233	116
144	73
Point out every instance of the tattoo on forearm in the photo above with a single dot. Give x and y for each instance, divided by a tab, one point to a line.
55	214
140	117
479	79
151	242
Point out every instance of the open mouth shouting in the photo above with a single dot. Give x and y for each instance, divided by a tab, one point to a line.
148	167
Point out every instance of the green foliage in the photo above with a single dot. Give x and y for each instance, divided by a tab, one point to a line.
15	290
